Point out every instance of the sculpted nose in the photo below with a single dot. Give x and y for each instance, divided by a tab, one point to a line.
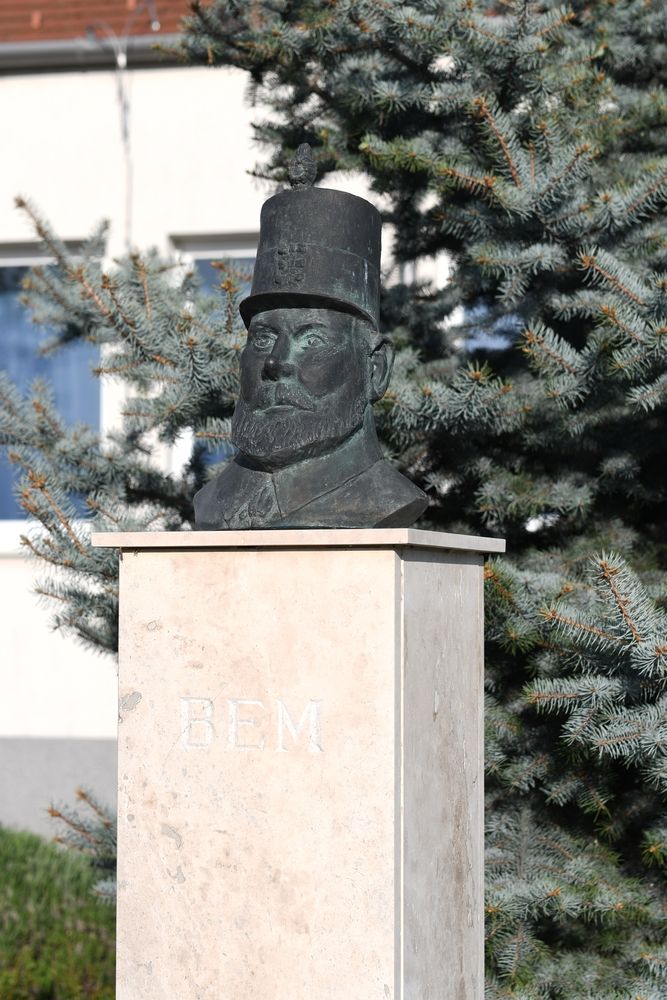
278	365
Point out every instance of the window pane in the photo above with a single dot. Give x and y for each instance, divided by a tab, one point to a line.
68	372
210	276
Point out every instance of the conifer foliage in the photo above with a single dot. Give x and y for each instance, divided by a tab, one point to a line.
528	399
90	830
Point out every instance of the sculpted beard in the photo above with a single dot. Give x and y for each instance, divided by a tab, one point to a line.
298	434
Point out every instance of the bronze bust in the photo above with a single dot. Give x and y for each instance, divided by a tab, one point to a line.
313	365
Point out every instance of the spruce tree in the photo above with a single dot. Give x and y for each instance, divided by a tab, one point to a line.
528	400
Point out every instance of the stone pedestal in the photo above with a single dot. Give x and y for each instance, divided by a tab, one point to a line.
300	765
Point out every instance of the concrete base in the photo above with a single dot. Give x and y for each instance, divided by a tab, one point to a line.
300	766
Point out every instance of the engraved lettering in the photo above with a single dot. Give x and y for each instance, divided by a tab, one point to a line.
235	723
197	729
311	715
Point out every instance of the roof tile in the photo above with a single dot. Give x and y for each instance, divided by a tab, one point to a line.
50	20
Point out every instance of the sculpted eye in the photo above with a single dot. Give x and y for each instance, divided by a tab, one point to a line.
262	340
313	339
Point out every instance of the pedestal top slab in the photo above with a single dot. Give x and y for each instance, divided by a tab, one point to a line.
301	538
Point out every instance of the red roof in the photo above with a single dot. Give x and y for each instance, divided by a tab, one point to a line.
52	20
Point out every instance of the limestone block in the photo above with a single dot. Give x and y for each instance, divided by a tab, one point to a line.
300	765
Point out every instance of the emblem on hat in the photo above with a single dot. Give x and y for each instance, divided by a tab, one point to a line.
289	265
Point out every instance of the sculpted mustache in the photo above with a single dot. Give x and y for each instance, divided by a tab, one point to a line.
282	395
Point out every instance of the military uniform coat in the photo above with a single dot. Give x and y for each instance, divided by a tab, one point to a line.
351	487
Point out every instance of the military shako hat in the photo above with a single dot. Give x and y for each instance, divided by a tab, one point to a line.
317	247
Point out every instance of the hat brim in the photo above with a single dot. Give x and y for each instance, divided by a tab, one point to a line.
254	304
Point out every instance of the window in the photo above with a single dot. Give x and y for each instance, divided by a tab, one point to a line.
210	275
238	249
68	372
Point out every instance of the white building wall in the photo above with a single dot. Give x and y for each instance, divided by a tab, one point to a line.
52	686
190	142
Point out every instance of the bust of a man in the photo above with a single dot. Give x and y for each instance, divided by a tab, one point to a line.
313	365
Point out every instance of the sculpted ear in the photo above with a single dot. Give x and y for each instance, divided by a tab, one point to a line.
382	361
